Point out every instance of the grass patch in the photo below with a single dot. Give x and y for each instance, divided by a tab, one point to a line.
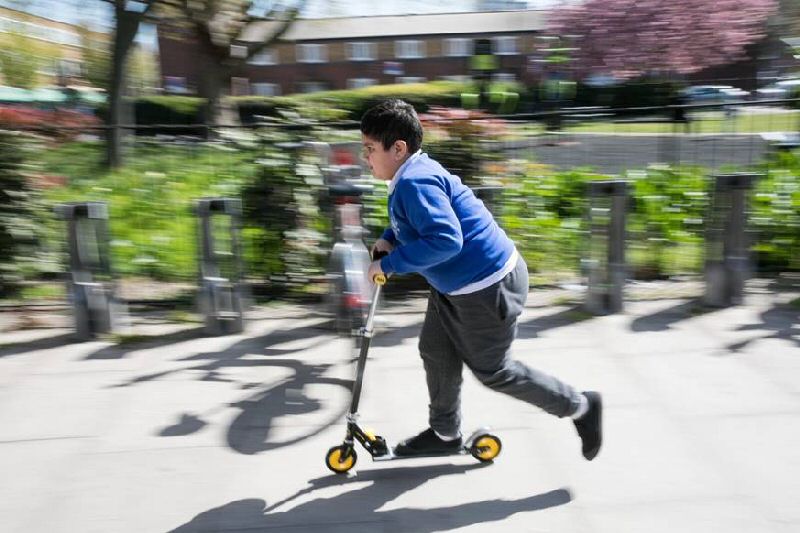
152	227
44	291
121	339
184	317
709	122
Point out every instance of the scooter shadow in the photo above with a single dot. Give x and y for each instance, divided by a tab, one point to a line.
359	509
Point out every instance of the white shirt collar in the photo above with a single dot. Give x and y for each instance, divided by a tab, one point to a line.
402	168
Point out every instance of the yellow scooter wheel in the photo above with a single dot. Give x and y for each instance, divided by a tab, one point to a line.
341	459
486	447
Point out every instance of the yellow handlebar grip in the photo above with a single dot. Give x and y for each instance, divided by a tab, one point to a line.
379	279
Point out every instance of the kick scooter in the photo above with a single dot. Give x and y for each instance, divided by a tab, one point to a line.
482	445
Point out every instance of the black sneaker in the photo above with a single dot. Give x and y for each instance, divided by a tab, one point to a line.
590	426
427	443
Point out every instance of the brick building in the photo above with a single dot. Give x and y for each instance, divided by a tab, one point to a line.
60	45
340	53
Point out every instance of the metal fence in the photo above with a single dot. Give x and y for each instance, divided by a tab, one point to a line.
286	229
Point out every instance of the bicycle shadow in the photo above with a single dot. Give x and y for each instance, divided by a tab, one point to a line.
359	509
232	355
251	431
117	351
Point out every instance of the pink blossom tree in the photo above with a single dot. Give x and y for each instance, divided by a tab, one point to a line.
630	38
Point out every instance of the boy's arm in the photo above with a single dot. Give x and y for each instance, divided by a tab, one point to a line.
428	209
388	235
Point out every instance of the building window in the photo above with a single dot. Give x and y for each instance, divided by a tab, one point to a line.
240	86
409	49
312	86
312	53
460	78
358	83
504	76
457	47
411	79
43	33
361	51
265	89
264	57
505	46
70	68
175	85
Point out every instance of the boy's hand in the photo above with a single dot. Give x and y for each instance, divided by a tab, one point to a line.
374	270
381	245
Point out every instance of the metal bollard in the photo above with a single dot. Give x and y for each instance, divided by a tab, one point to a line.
606	270
223	294
89	283
727	264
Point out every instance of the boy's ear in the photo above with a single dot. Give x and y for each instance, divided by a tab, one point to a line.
400	149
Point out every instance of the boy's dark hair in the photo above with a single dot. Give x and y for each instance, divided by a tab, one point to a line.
393	120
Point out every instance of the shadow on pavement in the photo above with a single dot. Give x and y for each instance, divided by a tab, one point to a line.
251	430
664	319
530	329
390	336
357	510
781	321
119	351
39	344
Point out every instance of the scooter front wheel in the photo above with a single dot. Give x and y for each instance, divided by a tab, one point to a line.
340	459
486	447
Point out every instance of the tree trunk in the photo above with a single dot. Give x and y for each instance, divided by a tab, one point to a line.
127	25
211	85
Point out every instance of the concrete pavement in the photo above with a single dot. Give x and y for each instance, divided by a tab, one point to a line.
188	433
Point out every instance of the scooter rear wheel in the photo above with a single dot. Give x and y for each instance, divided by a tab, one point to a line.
486	447
340	459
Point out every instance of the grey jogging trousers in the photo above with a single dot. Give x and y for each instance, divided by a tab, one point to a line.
478	329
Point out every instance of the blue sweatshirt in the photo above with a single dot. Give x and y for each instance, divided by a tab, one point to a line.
440	229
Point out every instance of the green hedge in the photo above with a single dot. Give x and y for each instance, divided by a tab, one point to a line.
351	104
171	110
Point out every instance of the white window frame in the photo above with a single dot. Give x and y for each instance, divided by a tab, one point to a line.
312	53
274	89
358	83
410	79
266	57
457	47
460	78
504	76
315	86
501	47
362	51
409	49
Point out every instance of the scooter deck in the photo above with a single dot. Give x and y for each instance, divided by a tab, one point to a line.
391	456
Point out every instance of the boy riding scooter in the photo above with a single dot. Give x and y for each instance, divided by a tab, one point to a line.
479	285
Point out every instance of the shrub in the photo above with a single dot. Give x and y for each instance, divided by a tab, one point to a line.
776	214
460	141
18	224
63	124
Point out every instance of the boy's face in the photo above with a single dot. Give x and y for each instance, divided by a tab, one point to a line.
384	163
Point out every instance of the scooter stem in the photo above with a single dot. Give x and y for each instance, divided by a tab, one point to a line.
366	337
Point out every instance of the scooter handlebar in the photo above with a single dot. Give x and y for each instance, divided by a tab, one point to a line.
379	279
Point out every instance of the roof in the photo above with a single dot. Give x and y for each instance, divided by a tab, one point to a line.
401	25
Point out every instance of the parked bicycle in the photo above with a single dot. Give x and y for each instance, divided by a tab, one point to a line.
348	295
